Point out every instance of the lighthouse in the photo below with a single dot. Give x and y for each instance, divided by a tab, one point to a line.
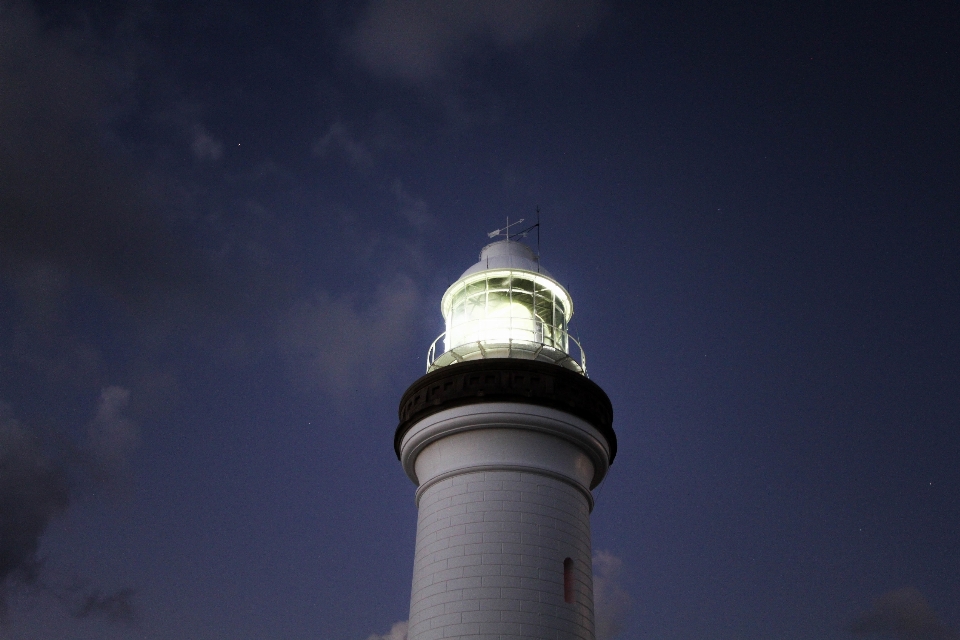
504	437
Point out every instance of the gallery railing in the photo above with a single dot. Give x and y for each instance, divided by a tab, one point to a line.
496	341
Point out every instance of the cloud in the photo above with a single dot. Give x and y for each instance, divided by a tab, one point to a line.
414	210
397	632
82	216
610	602
34	488
41	338
420	40
112	437
337	139
345	343
903	614
40	474
71	198
116	606
205	146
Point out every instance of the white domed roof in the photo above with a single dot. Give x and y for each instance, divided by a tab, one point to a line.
507	254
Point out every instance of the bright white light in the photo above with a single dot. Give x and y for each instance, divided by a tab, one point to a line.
499	307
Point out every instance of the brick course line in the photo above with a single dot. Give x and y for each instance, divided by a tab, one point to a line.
497	570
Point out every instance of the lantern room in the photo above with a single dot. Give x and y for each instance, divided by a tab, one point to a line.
506	306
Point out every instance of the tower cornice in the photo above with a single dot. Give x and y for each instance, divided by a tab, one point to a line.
506	380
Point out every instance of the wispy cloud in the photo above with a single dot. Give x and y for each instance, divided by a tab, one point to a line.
80	215
40	474
903	614
397	632
112	437
611	603
414	210
421	40
349	342
338	140
34	488
204	145
72	199
116	606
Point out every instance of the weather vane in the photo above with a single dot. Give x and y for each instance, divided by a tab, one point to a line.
505	231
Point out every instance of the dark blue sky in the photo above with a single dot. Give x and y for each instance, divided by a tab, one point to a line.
225	231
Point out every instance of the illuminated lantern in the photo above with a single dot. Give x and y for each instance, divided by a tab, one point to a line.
507	306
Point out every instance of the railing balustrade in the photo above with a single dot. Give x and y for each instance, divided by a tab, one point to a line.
494	331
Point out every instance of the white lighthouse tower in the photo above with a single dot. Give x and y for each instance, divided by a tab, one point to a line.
505	436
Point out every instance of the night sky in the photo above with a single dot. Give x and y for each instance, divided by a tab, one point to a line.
225	228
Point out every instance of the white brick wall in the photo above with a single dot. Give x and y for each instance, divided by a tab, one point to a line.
489	559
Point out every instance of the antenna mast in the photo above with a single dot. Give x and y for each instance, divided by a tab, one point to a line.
538	236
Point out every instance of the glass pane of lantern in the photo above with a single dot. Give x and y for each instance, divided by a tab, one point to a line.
523	327
475	287
561	326
543	307
499	284
522	284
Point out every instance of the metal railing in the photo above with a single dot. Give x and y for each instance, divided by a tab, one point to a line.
561	337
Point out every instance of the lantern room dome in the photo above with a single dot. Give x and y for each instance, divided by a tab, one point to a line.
507	254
